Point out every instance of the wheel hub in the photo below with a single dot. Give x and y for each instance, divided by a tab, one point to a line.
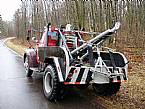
26	64
48	82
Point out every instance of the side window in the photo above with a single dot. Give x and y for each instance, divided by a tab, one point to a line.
52	38
53	35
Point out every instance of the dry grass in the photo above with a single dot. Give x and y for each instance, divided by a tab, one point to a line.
16	45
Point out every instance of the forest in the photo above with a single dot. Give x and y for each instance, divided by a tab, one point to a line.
93	15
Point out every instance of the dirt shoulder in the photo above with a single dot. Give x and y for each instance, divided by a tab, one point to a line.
130	96
16	45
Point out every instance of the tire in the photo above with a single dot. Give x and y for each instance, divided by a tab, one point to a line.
82	86
53	89
29	72
106	89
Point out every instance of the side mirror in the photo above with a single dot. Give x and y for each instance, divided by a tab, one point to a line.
34	40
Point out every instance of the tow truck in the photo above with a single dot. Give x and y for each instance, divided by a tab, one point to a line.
64	58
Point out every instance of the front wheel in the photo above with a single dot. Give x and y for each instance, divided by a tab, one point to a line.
51	86
106	89
29	72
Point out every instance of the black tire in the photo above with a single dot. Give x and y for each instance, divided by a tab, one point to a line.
52	88
82	86
29	72
106	89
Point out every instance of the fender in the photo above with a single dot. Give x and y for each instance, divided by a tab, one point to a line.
32	57
51	55
58	69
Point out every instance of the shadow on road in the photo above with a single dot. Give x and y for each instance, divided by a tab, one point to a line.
73	99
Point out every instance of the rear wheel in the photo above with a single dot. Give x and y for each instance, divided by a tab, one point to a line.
52	87
106	89
29	72
82	86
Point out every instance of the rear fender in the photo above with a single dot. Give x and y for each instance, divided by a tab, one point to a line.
55	62
32	57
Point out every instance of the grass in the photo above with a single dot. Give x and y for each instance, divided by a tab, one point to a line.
15	45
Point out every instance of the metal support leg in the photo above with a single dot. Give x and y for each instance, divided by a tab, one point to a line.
90	53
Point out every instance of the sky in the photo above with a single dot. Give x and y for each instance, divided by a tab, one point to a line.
8	8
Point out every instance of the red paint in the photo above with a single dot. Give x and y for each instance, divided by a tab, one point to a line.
119	81
51	42
66	83
70	76
77	82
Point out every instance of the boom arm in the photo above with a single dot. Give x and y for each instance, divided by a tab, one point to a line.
101	35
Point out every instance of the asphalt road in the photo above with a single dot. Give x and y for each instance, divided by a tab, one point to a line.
19	92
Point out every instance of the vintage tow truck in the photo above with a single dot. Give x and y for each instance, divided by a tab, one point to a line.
64	58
